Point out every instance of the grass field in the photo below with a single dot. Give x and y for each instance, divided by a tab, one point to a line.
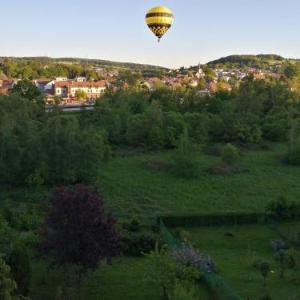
130	189
126	279
234	255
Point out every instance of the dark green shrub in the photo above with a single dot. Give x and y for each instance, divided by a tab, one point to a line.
215	149
22	218
265	295
138	243
184	163
265	269
275	130
213	219
230	154
282	209
174	126
133	225
293	156
19	263
197	125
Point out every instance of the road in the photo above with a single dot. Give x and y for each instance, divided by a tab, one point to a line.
72	108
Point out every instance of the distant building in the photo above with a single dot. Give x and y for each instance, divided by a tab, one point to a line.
68	89
6	86
80	79
44	85
200	73
57	79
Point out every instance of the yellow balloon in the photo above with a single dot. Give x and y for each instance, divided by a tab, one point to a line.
159	19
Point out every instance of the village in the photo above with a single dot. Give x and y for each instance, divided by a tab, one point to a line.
79	90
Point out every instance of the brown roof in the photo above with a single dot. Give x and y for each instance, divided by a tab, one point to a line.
42	81
69	84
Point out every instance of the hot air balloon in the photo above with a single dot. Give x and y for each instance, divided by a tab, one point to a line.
159	19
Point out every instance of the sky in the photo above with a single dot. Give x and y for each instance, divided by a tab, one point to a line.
116	30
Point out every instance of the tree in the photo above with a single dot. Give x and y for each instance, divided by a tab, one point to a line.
264	270
26	89
162	271
184	162
165	272
19	143
7	285
77	232
81	95
71	153
230	154
182	292
20	268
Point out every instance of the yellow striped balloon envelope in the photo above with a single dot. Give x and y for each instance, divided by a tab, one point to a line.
159	19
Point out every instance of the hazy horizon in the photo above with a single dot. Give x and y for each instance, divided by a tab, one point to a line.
136	62
116	30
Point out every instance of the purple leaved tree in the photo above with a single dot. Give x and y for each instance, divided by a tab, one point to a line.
78	233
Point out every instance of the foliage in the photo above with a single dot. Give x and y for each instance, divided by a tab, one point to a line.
138	243
183	293
294	258
264	270
45	67
189	256
81	95
71	154
8	286
265	295
7	237
164	271
19	263
184	163
36	148
27	90
293	154
282	209
78	231
282	260
230	154
277	245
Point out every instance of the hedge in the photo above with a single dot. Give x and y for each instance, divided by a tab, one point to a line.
221	219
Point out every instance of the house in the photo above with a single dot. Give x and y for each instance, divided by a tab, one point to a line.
67	90
57	79
6	86
80	79
44	85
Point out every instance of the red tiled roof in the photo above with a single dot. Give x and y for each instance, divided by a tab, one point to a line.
69	84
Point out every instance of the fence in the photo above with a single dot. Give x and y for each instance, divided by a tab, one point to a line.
215	282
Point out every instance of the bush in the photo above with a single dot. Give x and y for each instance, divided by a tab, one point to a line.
278	245
282	209
19	263
137	244
213	219
22	218
183	293
265	295
173	128
293	156
230	154
275	130
133	225
214	150
184	163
